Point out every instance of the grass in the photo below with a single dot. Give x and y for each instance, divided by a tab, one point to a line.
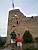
31	49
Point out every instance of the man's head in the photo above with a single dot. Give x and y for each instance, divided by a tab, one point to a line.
13	31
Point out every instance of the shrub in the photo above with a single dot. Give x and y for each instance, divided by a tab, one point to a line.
27	47
2	41
27	37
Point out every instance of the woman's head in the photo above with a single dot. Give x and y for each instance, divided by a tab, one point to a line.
18	35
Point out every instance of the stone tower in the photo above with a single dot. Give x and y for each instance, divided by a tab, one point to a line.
24	23
14	19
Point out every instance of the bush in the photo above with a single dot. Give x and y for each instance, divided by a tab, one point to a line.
2	41
27	37
27	47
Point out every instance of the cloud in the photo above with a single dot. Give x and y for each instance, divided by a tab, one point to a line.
25	14
3	26
31	15
4	21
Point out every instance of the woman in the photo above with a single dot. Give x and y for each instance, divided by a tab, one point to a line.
19	41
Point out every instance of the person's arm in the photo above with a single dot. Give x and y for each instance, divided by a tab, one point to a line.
16	39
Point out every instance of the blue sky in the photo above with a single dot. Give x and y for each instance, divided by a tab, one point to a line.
28	7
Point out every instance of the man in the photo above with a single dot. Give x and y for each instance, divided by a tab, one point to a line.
13	38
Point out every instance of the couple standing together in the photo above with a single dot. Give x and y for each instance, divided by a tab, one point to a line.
17	39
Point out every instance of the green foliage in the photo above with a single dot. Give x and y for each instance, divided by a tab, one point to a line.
2	42
28	48
27	37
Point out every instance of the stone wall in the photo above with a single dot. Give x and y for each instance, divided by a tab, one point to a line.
24	23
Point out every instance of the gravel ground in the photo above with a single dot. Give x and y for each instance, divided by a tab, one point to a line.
7	48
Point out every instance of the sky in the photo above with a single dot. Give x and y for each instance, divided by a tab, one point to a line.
28	7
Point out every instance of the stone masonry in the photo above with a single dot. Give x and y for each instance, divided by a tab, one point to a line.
24	23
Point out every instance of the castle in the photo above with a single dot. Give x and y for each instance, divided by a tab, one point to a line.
20	23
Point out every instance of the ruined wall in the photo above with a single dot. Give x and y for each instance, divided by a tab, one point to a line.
24	23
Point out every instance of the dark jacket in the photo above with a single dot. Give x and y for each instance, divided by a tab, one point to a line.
13	35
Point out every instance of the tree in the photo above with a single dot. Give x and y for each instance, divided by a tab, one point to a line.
2	41
27	37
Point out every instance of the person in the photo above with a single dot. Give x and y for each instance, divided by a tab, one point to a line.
19	41
13	38
13	35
